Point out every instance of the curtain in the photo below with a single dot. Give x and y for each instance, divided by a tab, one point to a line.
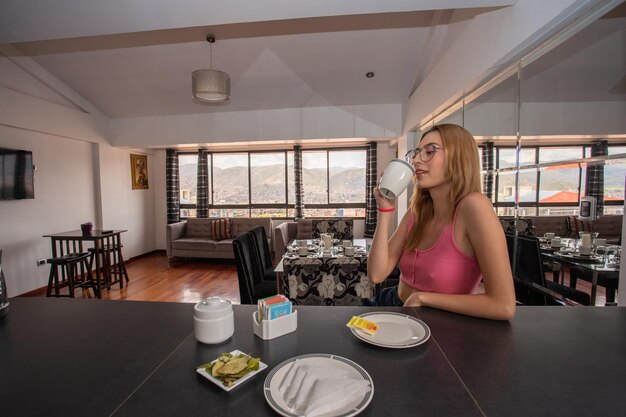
488	165
173	186
594	186
297	166
371	213
202	186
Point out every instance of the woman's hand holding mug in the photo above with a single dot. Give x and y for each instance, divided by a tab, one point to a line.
381	201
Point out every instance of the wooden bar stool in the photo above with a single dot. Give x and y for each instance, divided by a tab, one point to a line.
113	266
64	272
118	266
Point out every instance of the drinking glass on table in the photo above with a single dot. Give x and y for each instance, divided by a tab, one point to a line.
568	243
613	254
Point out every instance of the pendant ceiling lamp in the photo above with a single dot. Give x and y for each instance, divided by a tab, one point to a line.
210	86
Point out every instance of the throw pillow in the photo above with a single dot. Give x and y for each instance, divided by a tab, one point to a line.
220	229
305	230
199	228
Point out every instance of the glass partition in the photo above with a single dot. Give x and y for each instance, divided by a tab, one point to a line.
579	87
556	121
494	113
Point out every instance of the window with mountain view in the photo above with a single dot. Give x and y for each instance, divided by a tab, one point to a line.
527	178
334	183
262	184
268	184
560	185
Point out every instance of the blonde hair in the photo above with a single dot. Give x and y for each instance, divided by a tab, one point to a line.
461	169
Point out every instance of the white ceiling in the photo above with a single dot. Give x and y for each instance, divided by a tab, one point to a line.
131	59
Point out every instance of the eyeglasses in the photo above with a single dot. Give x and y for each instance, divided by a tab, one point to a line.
426	153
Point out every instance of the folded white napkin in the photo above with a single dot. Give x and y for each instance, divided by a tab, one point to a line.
319	389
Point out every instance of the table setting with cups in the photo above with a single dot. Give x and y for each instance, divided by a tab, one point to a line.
311	384
326	247
588	248
319	384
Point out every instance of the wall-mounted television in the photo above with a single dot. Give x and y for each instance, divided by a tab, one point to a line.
16	174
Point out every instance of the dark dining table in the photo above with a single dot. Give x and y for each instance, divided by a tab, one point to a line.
80	357
593	264
73	241
333	259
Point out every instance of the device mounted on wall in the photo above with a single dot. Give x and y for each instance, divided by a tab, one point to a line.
16	174
587	208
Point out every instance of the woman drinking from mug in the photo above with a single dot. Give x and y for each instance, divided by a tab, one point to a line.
449	240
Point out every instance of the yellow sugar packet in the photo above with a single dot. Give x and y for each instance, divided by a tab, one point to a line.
361	324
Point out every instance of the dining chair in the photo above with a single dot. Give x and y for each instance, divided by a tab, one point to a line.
340	228
531	286
252	286
524	226
263	252
606	279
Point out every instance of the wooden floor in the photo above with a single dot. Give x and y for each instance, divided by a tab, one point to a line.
188	281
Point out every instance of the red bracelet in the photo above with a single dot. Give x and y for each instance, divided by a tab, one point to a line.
386	210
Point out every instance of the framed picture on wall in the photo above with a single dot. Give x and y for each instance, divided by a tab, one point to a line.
139	171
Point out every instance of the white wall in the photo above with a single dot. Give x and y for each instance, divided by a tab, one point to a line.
80	177
64	198
490	41
370	121
124	208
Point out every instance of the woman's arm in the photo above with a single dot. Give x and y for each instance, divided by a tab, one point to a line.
384	252
487	239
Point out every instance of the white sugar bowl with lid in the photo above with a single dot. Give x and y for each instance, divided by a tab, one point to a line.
213	320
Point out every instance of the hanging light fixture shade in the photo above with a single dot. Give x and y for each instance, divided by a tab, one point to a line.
210	86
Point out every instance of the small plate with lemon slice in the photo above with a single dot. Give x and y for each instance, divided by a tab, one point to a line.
231	369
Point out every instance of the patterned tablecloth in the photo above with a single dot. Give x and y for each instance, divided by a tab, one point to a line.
324	278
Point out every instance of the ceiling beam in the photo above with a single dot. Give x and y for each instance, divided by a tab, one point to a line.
34	20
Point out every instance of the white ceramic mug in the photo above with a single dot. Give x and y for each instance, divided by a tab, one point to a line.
348	251
584	250
549	236
555	242
346	243
396	177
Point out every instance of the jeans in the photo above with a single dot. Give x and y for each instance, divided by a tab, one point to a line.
388	297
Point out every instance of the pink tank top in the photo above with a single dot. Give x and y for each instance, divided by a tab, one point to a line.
442	268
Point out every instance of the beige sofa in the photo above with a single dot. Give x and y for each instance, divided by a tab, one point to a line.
193	238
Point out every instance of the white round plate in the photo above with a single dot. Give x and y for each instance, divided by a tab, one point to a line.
395	330
276	375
